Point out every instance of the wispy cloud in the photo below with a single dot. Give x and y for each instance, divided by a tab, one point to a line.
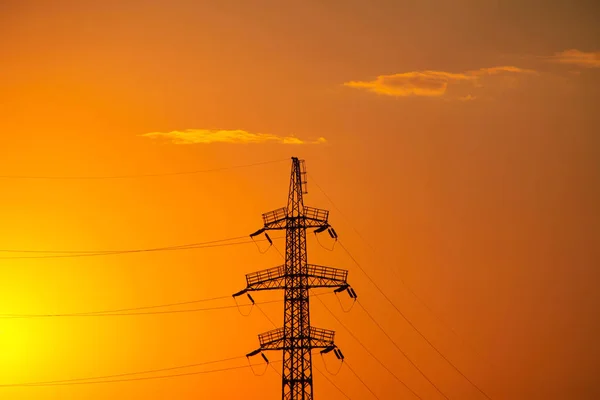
429	83
416	83
501	70
237	136
578	58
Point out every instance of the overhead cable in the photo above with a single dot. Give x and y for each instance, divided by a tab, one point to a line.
129	176
402	351
402	281
124	374
86	253
369	351
92	382
413	326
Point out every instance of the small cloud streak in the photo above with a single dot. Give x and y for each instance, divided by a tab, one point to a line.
429	83
235	136
468	97
502	70
578	58
417	83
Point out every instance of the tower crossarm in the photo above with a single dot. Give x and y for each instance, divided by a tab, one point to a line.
321	338
275	219
274	339
272	278
320	276
278	219
315	217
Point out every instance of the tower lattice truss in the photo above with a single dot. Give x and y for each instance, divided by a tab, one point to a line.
297	338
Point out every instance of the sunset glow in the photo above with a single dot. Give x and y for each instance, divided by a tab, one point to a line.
455	144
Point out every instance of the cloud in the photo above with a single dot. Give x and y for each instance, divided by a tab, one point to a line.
501	70
578	58
429	83
207	136
417	83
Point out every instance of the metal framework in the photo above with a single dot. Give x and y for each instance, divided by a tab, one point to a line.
297	338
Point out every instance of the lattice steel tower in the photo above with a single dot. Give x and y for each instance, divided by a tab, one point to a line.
297	337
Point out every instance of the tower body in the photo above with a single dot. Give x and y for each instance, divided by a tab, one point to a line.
297	357
297	338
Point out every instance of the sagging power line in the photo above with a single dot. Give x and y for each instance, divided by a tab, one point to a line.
94	378
448	361
140	310
142	378
236	241
401	280
130	176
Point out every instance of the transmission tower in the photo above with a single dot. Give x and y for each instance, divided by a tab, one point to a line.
297	338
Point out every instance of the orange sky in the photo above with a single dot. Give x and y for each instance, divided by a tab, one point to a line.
459	138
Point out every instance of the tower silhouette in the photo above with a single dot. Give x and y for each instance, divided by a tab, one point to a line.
297	338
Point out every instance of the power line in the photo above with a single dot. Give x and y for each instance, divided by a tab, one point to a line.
124	374
193	246
402	281
275	369
266	316
332	383
120	250
134	379
134	308
114	314
401	351
361	381
102	177
369	351
412	325
340	211
120	312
